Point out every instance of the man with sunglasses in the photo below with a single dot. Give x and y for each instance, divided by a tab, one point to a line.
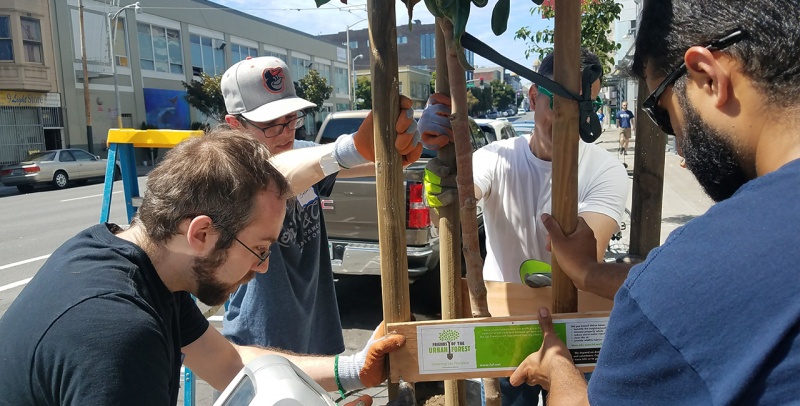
109	318
513	182
712	316
293	305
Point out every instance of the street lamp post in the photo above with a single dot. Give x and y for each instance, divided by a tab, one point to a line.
112	42
351	85
355	102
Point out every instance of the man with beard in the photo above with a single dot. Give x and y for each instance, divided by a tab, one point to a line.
293	306
712	316
108	319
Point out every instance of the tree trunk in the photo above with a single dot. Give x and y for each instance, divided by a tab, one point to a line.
466	191
388	166
449	233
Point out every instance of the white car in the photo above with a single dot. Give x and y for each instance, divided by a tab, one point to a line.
57	167
496	130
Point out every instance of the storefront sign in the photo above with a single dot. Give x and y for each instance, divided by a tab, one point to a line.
10	98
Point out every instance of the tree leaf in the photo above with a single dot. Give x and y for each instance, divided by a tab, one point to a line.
321	2
500	16
480	3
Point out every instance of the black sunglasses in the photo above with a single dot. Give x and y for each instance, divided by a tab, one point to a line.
658	114
277	129
261	258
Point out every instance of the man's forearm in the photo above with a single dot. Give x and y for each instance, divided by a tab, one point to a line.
319	368
567	385
604	279
301	166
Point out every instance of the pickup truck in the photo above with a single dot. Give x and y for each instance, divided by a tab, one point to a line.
351	213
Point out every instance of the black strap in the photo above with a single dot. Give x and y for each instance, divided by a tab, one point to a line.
589	124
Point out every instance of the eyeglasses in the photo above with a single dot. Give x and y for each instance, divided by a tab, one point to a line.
275	130
658	114
261	258
597	103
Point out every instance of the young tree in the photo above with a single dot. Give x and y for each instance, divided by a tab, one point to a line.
598	15
205	95
315	89
502	94
364	93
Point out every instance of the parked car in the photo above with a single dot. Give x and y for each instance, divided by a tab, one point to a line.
495	130
57	167
351	213
523	127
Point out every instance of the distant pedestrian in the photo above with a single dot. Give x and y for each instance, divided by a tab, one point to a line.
625	123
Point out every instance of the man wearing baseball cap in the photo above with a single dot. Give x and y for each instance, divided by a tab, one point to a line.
293	305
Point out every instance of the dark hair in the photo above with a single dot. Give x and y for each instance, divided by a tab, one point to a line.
767	55
219	175
587	59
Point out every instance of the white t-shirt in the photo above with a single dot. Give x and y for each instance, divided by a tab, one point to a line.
517	188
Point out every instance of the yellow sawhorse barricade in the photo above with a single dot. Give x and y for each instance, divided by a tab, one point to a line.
121	143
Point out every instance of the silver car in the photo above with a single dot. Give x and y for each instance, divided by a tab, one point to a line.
56	167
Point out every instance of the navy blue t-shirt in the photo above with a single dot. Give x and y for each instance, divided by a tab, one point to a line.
712	317
624	118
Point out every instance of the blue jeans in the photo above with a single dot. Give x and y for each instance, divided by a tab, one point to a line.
517	396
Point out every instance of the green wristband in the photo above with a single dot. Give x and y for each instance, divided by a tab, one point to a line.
336	375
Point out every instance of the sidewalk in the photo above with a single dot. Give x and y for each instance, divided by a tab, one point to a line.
683	197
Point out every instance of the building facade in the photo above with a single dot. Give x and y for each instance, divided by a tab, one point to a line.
30	104
416	54
154	50
415	83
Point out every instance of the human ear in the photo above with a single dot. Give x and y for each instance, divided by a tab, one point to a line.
709	74
200	234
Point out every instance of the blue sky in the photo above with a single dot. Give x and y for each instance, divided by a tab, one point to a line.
333	17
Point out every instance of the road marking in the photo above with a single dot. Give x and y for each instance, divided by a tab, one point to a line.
27	261
15	284
86	197
24	281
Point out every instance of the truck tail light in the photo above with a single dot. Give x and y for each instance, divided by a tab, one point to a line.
418	215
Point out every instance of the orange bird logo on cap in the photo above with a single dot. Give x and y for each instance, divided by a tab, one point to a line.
273	79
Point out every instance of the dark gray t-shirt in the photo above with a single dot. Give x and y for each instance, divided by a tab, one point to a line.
96	326
293	305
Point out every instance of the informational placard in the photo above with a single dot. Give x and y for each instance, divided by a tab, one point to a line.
483	347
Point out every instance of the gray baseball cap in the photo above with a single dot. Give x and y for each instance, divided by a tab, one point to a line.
261	89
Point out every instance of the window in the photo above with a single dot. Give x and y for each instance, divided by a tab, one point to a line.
342	106
160	48
65	156
206	56
120	43
300	67
354	44
427	46
6	45
83	156
277	55
325	72
241	52
32	40
402	40
401	87
340	81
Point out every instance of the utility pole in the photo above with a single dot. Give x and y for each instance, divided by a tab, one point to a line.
86	102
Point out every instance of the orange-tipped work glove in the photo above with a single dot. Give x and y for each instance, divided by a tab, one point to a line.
362	149
367	368
435	122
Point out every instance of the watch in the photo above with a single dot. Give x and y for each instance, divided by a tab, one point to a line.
328	164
